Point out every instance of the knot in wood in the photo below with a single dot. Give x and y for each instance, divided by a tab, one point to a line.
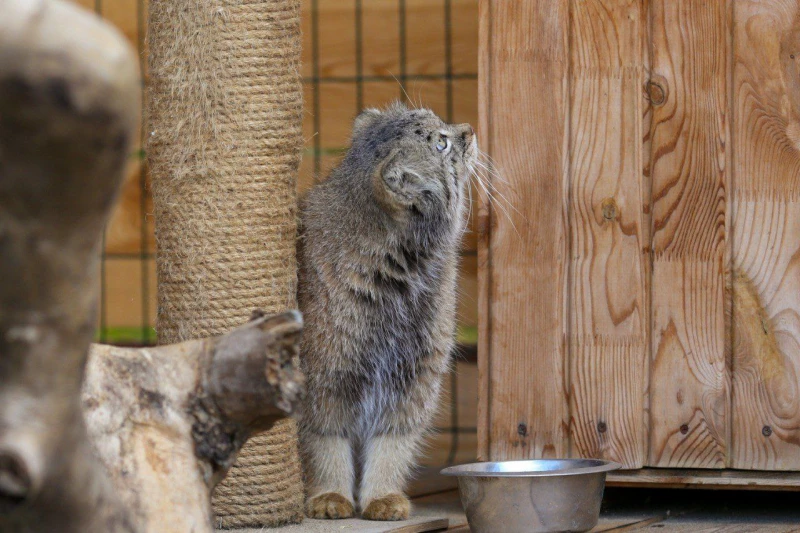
522	430
602	427
609	208
655	92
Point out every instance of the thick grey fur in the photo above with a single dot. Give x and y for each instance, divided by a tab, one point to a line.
378	259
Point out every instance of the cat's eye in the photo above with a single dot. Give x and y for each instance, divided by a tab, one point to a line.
442	144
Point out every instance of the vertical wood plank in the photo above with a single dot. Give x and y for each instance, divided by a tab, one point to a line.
608	318
689	381
483	221
647	211
523	106
766	236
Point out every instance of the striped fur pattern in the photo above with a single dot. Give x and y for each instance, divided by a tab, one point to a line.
378	259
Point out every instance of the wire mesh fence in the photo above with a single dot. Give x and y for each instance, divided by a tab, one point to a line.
356	54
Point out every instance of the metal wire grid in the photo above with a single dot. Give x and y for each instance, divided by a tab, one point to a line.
454	429
315	82
144	255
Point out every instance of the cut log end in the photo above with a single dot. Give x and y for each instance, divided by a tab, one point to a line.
254	376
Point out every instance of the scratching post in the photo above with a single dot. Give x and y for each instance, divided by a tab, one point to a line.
224	116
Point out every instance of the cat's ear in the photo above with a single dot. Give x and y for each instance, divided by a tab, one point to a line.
364	119
398	184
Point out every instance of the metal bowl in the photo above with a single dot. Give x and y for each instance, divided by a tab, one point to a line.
538	496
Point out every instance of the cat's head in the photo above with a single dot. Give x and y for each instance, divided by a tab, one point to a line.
419	164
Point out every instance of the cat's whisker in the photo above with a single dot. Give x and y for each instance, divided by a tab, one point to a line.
486	176
496	198
492	171
495	201
486	162
402	88
419	97
469	214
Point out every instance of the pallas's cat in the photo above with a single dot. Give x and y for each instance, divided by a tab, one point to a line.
378	259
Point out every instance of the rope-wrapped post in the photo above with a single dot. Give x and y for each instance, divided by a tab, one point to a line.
224	123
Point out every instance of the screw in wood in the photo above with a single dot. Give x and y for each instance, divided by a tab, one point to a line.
602	427
766	431
685	429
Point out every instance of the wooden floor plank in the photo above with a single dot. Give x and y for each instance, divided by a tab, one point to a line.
618	525
701	525
356	525
668	511
716	479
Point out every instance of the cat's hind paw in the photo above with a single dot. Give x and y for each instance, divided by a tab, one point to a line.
329	505
389	507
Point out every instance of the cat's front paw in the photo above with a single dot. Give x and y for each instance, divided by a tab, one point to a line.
329	505
389	507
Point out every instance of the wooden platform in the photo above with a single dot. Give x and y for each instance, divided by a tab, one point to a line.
624	509
436	512
706	479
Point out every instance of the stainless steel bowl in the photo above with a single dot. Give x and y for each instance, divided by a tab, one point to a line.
538	496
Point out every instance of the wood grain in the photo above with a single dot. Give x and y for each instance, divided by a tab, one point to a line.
483	220
703	525
608	356
689	380
523	93
622	524
766	236
711	479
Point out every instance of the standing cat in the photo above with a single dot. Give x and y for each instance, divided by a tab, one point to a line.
378	259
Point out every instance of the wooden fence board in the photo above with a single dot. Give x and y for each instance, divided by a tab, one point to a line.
608	356
689	380
524	59
766	236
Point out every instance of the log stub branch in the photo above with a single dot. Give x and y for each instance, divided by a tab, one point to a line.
168	421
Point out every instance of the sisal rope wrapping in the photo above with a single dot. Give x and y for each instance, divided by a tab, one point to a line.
224	116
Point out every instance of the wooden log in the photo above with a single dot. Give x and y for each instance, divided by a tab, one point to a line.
523	253
69	102
766	236
167	422
689	378
606	292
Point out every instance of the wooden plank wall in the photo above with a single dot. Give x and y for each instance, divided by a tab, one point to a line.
646	309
